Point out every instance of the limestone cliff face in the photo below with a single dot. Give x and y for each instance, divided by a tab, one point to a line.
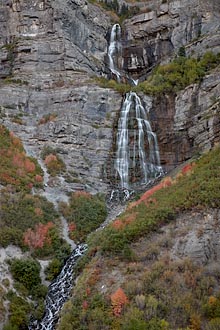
49	51
157	34
188	124
44	36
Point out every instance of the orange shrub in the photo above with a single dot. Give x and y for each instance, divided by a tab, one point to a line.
117	224
81	193
50	158
29	165
38	178
122	223
38	237
118	300
188	168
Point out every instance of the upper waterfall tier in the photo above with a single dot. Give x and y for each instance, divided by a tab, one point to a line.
114	51
137	157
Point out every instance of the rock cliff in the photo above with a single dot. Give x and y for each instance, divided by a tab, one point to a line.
50	52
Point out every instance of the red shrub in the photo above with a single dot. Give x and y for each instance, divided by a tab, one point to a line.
145	197
6	178
117	224
18	160
72	227
85	304
122	223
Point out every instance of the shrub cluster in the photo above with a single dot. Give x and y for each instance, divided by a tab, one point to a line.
55	165
182	72
16	169
21	211
26	274
84	213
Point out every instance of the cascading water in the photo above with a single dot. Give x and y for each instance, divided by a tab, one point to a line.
137	155
114	50
58	293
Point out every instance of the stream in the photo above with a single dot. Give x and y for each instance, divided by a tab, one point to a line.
58	292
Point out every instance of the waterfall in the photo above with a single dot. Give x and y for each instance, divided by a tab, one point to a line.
137	156
114	50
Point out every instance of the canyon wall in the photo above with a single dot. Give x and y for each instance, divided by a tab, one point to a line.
50	52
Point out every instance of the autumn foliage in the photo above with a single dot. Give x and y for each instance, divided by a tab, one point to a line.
187	169
15	167
166	182
38	237
118	300
121	224
54	164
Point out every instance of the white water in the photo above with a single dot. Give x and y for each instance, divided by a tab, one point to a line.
137	155
114	50
58	292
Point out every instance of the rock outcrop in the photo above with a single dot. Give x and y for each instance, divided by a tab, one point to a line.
157	34
201	239
187	124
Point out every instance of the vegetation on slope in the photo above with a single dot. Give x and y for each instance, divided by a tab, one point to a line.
171	77
155	292
16	169
182	193
30	222
54	163
84	214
